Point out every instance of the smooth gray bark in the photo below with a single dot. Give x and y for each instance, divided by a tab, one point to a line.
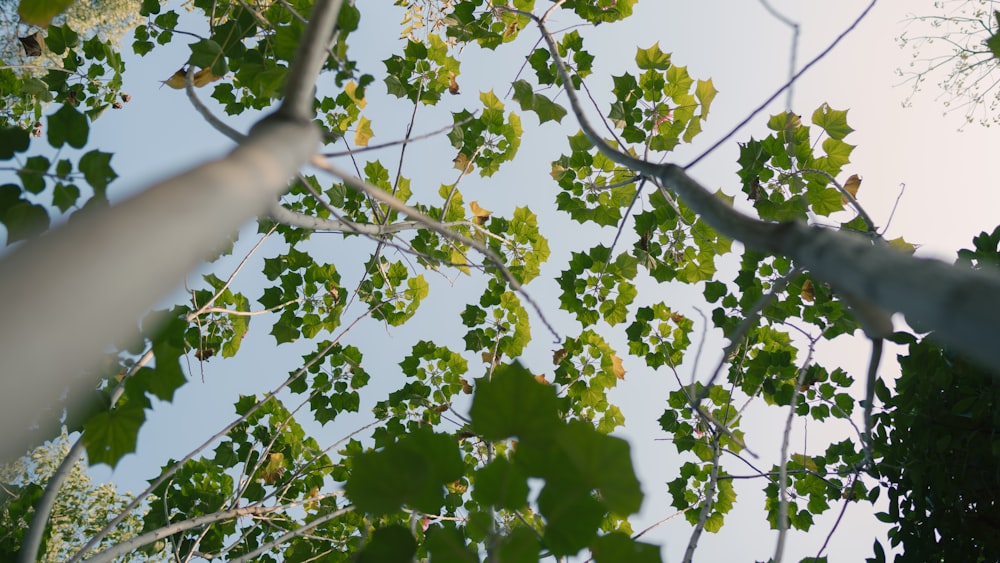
76	290
961	306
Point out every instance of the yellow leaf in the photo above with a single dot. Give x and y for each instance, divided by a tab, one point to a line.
363	133
616	366
511	30
351	90
541	379
313	493
900	244
203	77
479	215
557	171
808	292
457	259
274	469
805	462
851	187
452	83
463	163
41	12
176	80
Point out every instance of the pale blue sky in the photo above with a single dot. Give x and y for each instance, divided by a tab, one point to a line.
949	198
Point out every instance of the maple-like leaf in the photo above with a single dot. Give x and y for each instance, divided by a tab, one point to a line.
616	366
177	79
851	186
479	214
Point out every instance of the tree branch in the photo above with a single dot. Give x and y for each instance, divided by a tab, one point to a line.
77	267
779	549
394	204
297	104
961	305
294	533
196	522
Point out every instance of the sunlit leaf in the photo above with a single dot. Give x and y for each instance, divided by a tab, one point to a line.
41	12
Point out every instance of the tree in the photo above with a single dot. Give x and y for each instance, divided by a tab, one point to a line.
445	468
26	56
969	31
80	508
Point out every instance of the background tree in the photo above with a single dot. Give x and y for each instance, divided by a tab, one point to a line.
81	507
445	468
958	46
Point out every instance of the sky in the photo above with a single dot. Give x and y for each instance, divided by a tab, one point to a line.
949	197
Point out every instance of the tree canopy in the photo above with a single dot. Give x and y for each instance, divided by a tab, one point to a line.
480	452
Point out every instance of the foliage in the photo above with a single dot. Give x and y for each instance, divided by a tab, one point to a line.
473	454
970	33
938	447
81	507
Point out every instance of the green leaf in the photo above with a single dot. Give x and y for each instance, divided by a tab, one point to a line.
96	168
834	122
501	484
22	218
167	376
447	545
572	514
617	547
41	12
705	92
33	174
411	471
208	54
68	126
13	140
390	544
520	546
65	196
603	462
993	42
652	58
112	434
512	403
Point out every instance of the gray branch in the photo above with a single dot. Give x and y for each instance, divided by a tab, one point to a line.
72	292
962	306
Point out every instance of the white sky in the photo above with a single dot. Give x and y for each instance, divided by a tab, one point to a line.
949	198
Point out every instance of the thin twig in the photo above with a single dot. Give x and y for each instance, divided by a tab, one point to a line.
406	140
786	86
36	528
168	472
749	320
707	503
400	207
779	549
847	195
229	281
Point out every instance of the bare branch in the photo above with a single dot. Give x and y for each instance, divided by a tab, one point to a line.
707	502
779	549
786	86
